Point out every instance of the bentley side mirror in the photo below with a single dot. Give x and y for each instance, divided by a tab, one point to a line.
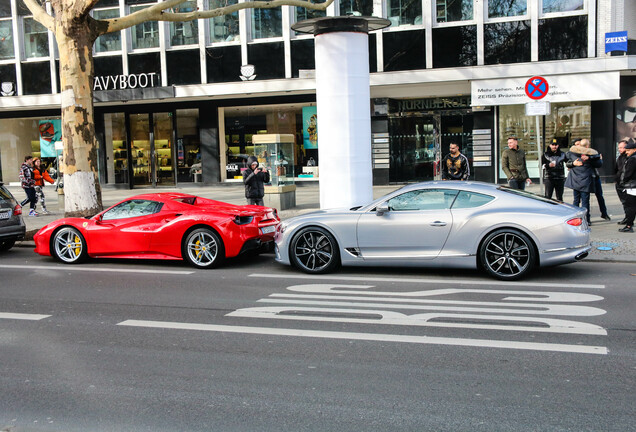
381	209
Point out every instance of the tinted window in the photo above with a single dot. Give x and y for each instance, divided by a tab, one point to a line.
223	63
108	66
183	67
502	8
507	42
268	58
144	63
454	46
429	199
133	208
404	50
302	55
471	200
563	38
527	195
36	78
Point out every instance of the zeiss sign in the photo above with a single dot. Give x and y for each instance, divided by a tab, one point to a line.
616	41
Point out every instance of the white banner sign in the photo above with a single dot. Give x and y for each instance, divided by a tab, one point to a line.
561	88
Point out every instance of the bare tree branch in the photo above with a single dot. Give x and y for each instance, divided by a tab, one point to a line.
156	12
39	14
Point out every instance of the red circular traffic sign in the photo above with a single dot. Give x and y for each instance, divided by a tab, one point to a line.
537	88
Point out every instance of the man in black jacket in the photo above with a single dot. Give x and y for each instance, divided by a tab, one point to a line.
254	179
628	182
618	172
581	161
455	165
553	172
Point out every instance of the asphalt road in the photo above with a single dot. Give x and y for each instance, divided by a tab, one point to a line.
115	345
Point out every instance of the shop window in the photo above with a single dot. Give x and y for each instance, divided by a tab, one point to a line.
184	33
267	23
36	39
401	12
5	9
110	41
562	5
356	7
563	38
36	78
453	10
144	63
6	40
223	63
302	55
144	35
268	59
183	67
224	28
404	50
108	66
454	46
7	75
507	42
188	146
504	8
115	142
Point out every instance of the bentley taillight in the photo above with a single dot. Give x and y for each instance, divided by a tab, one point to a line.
575	222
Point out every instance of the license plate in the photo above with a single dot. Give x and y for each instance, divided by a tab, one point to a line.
268	229
5	215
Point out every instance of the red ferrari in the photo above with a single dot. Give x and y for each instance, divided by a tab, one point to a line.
171	226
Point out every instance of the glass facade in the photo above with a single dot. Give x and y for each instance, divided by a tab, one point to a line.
507	42
563	38
562	5
184	33
224	28
454	46
110	41
505	8
356	7
402	12
36	39
267	23
144	35
7	50
453	10
404	50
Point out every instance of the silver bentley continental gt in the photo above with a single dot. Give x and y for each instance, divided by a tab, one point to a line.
506	232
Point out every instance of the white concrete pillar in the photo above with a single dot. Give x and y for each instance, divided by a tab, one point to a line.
343	107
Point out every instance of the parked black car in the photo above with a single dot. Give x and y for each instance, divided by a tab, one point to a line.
12	226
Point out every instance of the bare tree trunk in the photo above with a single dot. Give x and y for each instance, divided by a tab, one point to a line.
82	192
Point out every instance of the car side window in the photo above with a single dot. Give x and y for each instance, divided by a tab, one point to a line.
423	199
132	208
471	200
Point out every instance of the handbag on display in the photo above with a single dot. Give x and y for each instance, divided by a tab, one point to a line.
311	162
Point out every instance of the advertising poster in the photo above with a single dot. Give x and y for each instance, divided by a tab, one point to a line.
626	110
310	127
50	131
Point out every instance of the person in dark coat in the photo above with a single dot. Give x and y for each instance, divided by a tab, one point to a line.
254	179
553	170
513	163
598	187
581	161
618	172
455	165
628	182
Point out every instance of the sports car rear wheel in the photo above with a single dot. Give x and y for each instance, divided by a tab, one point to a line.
203	248
69	246
507	254
314	250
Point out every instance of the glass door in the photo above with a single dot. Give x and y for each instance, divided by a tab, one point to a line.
140	150
414	147
163	149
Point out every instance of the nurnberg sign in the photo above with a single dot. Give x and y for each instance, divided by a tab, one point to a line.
122	82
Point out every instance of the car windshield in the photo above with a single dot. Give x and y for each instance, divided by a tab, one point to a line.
528	195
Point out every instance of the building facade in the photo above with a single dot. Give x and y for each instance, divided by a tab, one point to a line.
179	103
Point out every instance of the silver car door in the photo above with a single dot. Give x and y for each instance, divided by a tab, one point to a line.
414	225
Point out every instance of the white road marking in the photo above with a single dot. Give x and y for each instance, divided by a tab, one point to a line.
507	308
95	269
378	337
22	316
419	320
426	281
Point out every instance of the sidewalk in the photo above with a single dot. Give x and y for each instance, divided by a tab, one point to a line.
604	233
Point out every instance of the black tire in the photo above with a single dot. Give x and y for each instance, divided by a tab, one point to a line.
315	251
203	248
507	254
68	245
5	245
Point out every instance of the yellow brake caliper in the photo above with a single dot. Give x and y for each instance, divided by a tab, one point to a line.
77	248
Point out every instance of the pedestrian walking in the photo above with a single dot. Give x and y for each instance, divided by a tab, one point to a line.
455	165
40	175
618	173
598	187
27	181
553	161
628	181
513	163
254	179
581	162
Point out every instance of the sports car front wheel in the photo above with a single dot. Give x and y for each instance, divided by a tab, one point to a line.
203	248
314	250
507	254
69	246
